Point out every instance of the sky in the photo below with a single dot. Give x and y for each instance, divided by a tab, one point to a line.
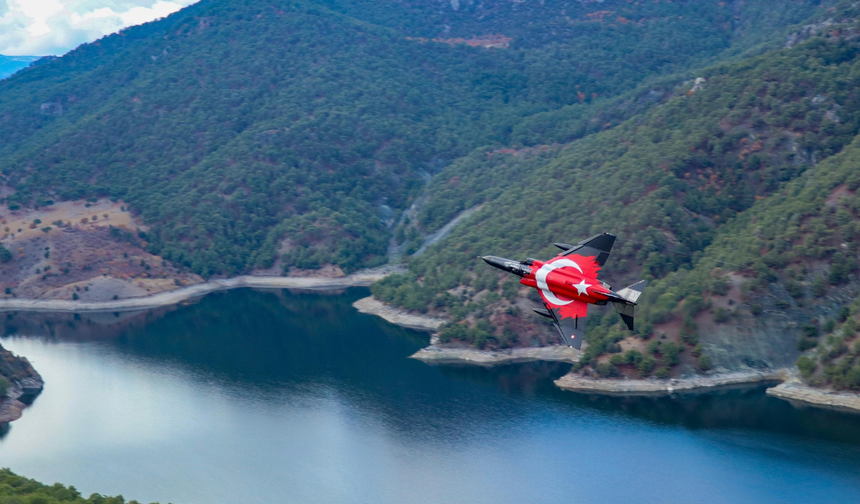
43	27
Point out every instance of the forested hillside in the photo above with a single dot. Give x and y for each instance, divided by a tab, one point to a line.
14	489
755	141
243	132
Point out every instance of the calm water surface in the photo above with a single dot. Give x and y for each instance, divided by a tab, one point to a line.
272	397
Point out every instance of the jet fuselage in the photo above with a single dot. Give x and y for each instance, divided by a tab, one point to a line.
559	279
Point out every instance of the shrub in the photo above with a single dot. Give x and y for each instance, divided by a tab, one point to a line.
456	331
662	310
647	330
705	363
4	386
662	372
671	353
805	344
693	304
806	365
689	333
721	315
606	370
720	287
818	287
633	357
646	365
794	288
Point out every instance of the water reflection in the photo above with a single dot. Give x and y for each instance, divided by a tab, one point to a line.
256	395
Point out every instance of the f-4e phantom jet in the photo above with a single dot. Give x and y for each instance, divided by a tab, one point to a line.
568	284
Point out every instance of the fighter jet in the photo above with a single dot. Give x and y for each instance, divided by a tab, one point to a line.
568	283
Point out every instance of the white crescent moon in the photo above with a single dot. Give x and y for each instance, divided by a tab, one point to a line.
546	269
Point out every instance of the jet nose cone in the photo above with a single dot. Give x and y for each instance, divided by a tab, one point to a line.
496	262
492	261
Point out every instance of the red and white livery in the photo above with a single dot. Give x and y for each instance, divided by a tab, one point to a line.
568	284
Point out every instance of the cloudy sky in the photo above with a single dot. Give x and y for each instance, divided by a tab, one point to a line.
42	27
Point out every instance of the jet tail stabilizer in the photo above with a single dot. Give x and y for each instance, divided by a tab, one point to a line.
633	292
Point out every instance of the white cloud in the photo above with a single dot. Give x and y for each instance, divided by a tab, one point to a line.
40	27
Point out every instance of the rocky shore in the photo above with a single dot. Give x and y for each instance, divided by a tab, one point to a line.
795	391
654	386
20	394
444	354
361	279
373	306
436	354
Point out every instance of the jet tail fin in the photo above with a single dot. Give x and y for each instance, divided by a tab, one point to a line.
626	305
626	311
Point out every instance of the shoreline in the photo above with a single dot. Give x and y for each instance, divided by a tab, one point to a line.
798	393
181	294
657	387
791	389
372	306
435	354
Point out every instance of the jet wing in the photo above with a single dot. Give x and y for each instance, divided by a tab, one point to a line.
571	329
598	247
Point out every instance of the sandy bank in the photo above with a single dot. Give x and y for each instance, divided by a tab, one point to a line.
793	390
373	306
362	279
653	386
436	354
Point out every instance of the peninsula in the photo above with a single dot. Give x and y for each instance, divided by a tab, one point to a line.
19	385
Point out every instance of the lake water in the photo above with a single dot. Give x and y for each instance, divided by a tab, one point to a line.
271	397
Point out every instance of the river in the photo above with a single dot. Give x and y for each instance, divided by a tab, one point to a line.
271	397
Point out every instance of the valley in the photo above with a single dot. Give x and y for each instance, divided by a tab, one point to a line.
302	144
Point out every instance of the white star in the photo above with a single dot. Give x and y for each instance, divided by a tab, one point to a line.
582	287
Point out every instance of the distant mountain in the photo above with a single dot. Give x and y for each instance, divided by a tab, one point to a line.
11	64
